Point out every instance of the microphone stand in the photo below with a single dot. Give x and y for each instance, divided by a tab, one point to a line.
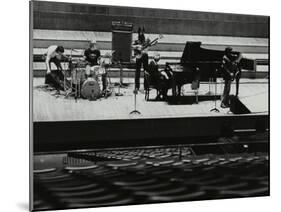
215	109
135	111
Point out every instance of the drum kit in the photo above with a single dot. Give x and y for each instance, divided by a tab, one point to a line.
88	81
92	82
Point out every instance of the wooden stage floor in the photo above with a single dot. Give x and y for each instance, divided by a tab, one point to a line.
46	107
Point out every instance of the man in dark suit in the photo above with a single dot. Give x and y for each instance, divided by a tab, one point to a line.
231	71
159	78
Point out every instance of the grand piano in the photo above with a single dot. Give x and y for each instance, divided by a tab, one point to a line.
198	64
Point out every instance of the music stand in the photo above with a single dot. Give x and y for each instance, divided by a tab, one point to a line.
135	111
215	109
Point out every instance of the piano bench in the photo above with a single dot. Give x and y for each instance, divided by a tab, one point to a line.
195	92
148	85
147	91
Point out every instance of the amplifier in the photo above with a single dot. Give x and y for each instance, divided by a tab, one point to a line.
121	26
122	41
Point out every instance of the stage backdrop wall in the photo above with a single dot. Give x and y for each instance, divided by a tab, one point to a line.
70	16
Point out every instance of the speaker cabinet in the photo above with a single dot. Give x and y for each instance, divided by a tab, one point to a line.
122	41
237	107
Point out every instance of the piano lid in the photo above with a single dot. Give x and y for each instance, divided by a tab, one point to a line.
209	59
193	52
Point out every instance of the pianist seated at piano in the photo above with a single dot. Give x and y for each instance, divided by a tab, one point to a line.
160	79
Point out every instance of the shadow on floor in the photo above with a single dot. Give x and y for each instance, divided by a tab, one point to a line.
188	100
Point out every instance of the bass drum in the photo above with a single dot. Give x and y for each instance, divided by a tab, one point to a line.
91	89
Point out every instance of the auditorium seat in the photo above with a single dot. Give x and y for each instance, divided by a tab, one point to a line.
114	177
192	196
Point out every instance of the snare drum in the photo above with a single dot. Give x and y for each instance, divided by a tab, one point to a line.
91	89
96	71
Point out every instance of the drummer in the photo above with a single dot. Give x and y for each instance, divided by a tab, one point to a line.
92	55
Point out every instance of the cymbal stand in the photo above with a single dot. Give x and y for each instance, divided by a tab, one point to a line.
215	109
69	67
75	85
121	80
209	92
109	88
64	76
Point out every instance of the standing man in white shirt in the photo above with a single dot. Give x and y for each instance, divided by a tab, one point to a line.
54	78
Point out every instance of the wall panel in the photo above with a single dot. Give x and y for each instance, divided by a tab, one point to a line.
66	16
